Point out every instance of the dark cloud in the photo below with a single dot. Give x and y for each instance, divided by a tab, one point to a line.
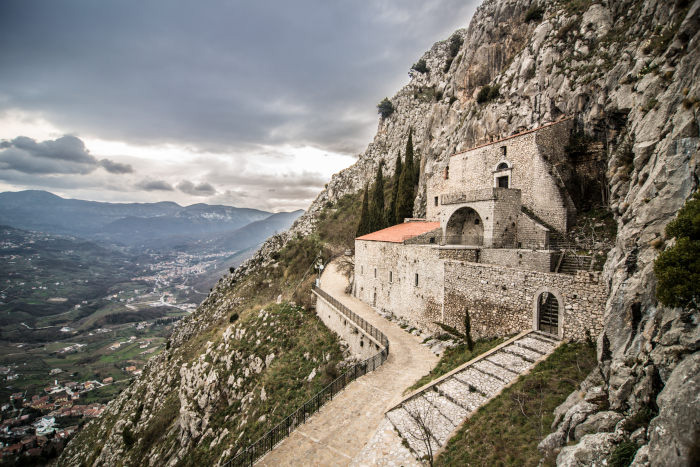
65	155
116	167
200	189
154	185
220	76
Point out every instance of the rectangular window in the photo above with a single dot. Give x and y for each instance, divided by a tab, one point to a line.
503	151
447	172
391	276
436	201
416	279
362	269
375	273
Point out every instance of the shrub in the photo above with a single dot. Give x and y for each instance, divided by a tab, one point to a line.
420	66
623	454
455	44
385	108
488	93
535	13
678	268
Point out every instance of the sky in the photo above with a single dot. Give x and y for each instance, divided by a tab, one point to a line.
242	103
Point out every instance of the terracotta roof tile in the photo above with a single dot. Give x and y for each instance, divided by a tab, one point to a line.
400	232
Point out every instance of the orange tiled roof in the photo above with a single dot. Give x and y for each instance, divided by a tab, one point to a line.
400	232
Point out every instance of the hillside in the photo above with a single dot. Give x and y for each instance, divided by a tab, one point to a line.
627	71
132	224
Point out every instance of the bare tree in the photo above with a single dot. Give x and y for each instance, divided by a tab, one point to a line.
423	418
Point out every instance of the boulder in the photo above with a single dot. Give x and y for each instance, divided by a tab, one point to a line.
592	450
600	422
675	433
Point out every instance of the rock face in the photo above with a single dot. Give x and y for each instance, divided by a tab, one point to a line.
627	70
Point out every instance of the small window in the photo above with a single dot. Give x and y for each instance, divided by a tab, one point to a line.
432	239
476	221
416	280
436	201
502	182
502	166
375	273
362	269
447	172
503	151
391	276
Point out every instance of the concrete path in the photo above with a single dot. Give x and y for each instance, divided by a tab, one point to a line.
340	430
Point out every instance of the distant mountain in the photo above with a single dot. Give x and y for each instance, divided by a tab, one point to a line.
131	224
246	237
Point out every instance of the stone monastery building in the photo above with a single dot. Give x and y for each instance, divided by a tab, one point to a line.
492	243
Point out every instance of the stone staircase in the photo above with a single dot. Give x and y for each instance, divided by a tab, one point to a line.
435	411
572	263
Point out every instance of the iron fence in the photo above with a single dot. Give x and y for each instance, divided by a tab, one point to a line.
269	440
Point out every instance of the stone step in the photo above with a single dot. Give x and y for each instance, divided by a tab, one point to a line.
490	368
460	393
455	413
545	337
425	414
526	354
409	431
537	343
482	381
510	362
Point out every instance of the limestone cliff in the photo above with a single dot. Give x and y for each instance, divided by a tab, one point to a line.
627	70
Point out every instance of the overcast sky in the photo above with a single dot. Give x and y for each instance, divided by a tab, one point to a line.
245	103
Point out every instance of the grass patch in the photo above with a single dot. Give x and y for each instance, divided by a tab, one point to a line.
506	431
454	357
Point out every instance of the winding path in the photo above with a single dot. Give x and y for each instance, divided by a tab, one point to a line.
338	433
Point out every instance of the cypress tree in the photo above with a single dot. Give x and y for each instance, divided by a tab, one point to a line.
363	227
377	221
391	216
404	205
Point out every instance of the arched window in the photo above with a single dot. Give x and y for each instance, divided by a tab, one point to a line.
502	166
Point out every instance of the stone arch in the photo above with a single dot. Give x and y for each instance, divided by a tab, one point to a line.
546	301
502	165
465	227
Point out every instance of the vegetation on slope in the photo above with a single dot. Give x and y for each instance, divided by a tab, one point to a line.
506	430
678	268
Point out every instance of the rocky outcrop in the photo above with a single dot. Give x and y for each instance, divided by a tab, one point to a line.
627	70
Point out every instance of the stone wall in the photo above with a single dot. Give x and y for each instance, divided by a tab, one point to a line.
502	300
460	253
532	234
532	260
361	344
527	156
385	278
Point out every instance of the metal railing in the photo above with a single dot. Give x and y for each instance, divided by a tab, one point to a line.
283	429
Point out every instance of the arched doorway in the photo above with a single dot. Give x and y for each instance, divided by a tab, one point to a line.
465	227
548	313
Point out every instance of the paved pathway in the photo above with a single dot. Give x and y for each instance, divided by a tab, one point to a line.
434	413
340	430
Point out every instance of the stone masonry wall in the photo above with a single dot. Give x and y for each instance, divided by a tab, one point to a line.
501	300
360	344
531	234
534	260
394	280
531	172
